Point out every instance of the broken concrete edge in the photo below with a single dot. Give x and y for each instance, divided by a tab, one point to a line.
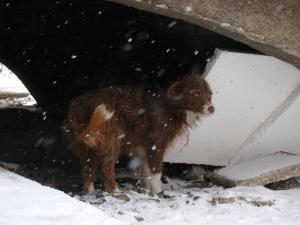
5	95
263	179
31	108
231	31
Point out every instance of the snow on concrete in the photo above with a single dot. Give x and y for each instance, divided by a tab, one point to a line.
25	202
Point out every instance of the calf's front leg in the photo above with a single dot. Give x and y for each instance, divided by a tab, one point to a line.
153	166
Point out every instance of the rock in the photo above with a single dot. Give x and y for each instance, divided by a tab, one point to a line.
195	172
139	218
239	199
122	197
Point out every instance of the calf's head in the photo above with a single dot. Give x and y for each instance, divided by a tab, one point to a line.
193	95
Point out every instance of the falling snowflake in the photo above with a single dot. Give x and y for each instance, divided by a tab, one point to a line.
172	24
141	111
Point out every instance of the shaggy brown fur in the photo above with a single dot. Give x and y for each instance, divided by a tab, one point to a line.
106	123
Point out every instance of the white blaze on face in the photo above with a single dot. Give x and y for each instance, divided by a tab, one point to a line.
106	114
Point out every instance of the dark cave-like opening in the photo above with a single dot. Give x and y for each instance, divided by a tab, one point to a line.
60	49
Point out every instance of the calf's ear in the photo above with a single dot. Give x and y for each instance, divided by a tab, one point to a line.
173	90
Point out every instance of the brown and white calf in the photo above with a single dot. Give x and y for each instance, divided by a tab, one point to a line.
106	123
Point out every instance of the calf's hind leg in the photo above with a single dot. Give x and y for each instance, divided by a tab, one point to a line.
107	169
89	166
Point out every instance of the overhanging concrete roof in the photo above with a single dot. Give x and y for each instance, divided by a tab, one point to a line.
272	27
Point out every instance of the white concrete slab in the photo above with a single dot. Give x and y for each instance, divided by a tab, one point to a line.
261	171
260	166
249	92
281	135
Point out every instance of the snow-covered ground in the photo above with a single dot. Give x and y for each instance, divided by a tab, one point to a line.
215	205
25	202
10	85
28	203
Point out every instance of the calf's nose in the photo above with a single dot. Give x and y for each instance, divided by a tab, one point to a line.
211	109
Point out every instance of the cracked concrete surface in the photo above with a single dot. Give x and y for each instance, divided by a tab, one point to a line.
272	27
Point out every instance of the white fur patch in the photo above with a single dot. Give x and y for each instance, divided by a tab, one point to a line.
107	114
152	181
155	183
117	190
191	117
91	188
